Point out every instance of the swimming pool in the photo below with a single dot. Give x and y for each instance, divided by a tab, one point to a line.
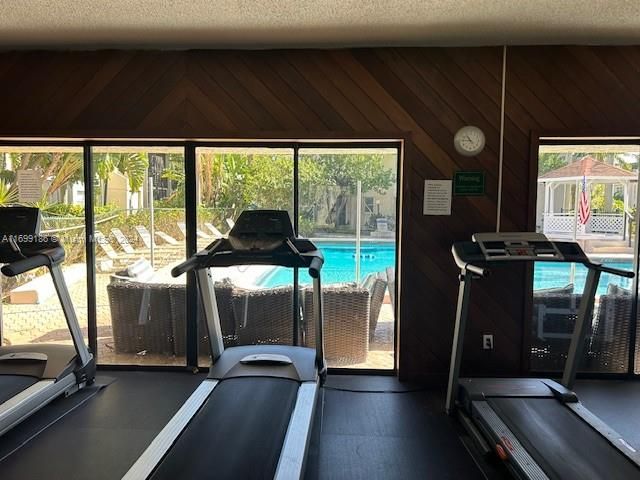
339	263
551	275
340	266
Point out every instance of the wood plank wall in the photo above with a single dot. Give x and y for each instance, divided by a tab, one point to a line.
420	95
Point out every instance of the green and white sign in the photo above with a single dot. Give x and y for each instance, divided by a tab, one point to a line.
468	183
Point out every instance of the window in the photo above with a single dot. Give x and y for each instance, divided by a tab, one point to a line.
51	178
133	312
586	192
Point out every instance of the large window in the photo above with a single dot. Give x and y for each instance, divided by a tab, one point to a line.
347	205
586	192
50	178
139	231
144	198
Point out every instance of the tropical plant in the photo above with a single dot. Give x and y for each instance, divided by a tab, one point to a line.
8	194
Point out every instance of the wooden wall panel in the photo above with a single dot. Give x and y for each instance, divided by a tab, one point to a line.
420	95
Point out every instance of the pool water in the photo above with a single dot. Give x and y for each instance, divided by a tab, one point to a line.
552	275
339	264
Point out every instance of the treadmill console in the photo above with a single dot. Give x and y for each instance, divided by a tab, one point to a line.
517	246
261	230
19	221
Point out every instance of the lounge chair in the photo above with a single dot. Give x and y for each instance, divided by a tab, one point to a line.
104	245
183	229
145	236
167	238
216	233
230	222
123	241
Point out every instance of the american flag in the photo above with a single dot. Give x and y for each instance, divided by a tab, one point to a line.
584	211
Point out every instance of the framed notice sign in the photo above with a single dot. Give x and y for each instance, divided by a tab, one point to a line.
437	197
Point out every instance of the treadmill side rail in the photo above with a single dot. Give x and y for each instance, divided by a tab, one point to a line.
609	433
161	444
291	464
520	460
32	399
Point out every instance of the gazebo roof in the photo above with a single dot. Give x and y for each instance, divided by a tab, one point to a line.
588	167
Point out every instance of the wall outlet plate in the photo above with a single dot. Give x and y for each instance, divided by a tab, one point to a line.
487	342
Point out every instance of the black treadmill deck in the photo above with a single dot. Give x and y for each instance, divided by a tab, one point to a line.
237	434
11	385
560	442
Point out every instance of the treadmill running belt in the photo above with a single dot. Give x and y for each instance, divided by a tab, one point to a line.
11	385
560	442
237	434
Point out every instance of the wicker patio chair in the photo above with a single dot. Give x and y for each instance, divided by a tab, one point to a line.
610	344
178	298
377	287
346	323
554	317
263	316
140	317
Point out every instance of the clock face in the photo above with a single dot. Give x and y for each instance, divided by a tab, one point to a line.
469	141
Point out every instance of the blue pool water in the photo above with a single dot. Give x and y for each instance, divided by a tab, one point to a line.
551	275
339	264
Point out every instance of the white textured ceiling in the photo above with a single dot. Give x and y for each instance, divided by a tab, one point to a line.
322	23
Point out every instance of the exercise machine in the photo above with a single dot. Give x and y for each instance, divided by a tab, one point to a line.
252	416
33	375
537	426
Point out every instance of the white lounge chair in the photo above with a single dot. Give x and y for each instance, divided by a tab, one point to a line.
123	241
167	238
145	236
183	228
217	233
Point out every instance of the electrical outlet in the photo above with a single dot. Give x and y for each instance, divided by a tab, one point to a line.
487	342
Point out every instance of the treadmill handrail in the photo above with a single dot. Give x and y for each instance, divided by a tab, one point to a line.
605	269
221	254
483	271
44	258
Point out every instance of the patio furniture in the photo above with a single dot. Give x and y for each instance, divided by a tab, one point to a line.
263	316
554	316
346	323
168	239
178	297
377	287
123	241
611	331
145	236
391	284
139	317
200	234
216	233
107	249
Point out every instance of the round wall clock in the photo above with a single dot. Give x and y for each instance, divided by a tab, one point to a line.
469	141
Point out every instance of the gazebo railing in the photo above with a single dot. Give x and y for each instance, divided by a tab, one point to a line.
563	223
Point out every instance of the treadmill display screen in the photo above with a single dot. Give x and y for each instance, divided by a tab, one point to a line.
16	221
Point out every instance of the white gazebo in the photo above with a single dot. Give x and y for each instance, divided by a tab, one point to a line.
559	194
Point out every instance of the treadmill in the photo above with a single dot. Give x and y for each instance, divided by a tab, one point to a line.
537	426
252	416
33	375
